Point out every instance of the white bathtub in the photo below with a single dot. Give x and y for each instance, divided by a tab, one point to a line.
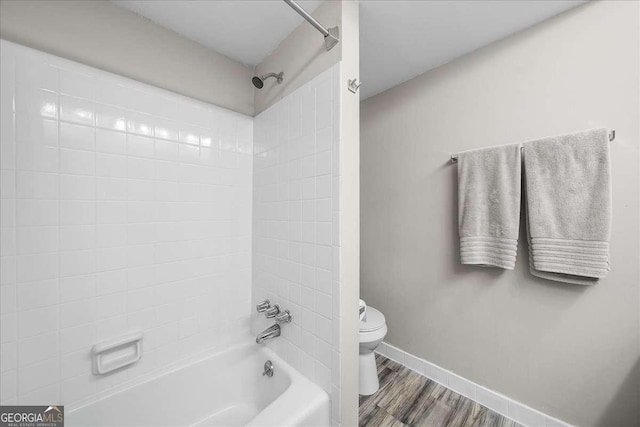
223	389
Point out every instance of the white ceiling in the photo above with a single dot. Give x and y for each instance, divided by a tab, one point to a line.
399	39
244	30
402	39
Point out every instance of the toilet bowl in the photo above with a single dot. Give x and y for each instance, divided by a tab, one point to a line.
372	331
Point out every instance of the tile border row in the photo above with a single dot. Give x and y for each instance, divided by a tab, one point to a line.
493	400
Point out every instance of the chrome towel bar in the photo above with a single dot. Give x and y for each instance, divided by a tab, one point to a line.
612	136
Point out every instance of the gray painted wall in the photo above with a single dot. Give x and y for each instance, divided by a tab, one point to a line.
102	35
572	352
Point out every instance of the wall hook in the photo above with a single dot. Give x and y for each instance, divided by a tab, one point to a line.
354	85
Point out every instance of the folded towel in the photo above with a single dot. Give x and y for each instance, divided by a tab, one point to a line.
568	192
489	182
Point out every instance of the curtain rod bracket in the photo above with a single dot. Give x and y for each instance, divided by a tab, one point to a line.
332	39
331	35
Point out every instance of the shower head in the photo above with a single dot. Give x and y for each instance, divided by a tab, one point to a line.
258	82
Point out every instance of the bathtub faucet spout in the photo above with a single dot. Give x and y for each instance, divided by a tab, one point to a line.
270	332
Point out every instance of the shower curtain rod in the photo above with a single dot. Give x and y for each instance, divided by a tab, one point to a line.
331	35
612	136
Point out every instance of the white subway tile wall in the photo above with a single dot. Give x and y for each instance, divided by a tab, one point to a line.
296	237
124	207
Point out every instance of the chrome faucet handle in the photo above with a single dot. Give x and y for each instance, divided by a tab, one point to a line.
284	317
272	312
263	306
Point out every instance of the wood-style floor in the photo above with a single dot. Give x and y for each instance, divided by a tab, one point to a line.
407	398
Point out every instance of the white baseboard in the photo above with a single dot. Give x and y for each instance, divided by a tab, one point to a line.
495	401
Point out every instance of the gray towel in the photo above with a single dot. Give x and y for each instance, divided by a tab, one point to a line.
568	192
489	182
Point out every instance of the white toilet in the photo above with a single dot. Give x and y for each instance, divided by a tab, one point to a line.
372	331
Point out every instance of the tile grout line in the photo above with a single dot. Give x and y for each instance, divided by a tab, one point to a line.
58	200
15	225
511	409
